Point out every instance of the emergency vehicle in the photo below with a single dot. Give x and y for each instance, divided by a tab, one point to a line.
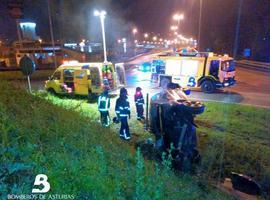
86	78
198	69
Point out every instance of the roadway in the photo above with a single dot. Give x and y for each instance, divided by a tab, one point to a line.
252	88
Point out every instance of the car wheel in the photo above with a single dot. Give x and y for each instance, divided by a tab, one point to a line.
194	107
51	91
207	86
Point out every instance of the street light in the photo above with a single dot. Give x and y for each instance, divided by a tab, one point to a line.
200	22
155	38
173	28
124	41
178	17
134	31
101	15
146	35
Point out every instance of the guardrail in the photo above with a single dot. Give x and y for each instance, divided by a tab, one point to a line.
261	66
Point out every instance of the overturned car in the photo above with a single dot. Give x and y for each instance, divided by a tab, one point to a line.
172	123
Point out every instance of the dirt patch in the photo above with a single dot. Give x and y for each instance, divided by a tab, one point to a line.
205	124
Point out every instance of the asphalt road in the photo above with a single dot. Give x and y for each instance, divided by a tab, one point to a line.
252	88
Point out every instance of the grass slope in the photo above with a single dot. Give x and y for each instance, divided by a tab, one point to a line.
235	138
79	157
231	137
13	75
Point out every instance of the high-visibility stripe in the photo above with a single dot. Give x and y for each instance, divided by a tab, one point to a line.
123	115
117	112
101	109
100	99
107	101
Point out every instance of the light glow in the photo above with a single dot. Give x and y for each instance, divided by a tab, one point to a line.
28	24
134	31
174	28
178	17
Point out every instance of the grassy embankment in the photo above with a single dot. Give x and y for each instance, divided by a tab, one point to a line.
79	157
231	138
39	74
235	138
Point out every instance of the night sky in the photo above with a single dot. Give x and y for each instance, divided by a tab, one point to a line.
74	20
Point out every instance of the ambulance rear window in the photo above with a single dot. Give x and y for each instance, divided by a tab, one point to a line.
68	75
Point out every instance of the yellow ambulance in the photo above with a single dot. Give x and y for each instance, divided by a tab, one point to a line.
85	78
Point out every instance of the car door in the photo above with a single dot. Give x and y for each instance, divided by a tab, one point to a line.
81	82
55	81
120	75
96	81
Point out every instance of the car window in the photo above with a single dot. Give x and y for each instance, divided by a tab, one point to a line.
57	75
68	75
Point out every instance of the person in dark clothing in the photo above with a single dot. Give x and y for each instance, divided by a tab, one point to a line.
139	101
104	107
122	109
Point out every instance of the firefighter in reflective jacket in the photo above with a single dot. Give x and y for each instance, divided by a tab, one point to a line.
122	110
139	101
104	107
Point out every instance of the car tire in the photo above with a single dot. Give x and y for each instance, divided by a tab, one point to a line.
208	86
194	107
51	91
164	82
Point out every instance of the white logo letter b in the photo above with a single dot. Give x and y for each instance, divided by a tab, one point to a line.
41	179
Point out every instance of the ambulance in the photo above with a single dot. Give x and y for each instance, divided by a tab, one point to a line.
86	78
205	70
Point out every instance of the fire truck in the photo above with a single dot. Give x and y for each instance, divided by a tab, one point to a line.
86	78
198	69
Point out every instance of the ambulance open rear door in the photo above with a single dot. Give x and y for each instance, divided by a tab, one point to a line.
81	82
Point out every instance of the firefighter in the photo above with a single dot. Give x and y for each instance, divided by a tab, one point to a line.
139	101
107	76
122	110
104	107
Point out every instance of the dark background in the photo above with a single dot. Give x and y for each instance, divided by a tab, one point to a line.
73	20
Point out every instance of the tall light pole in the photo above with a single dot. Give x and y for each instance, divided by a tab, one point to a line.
200	22
51	32
237	29
101	15
124	40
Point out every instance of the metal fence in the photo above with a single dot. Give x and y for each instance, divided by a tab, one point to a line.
249	64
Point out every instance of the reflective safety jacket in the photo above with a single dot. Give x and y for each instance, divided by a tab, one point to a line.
122	107
103	103
138	98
